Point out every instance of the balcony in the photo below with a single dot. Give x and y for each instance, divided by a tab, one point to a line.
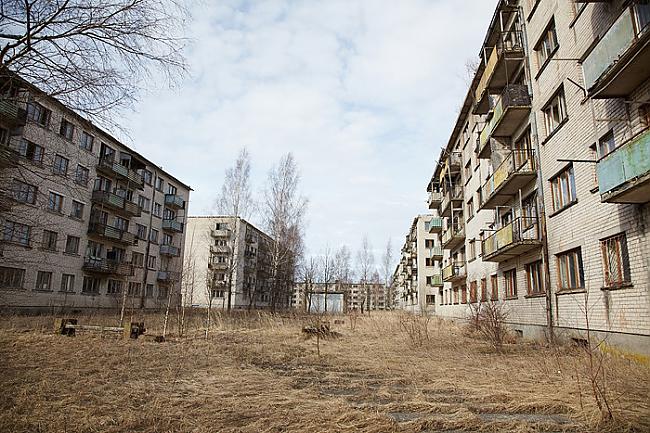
435	252
170	251
174	201
503	63
11	115
219	249
435	225
520	236
117	203
453	236
453	273
220	233
435	197
172	225
620	62
111	233
454	194
436	280
168	276
511	175
115	169
624	174
509	111
107	267
217	266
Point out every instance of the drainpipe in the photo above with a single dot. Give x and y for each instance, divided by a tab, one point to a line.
540	200
148	248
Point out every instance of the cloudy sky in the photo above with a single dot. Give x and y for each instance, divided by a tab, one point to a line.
362	92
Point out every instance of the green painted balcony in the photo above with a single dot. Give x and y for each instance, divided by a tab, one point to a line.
620	61
516	170
172	225
624	174
114	169
170	251
434	226
501	66
454	272
509	112
512	240
11	115
119	204
436	280
435	252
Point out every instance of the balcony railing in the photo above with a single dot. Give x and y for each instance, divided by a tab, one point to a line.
217	265
500	68
219	249
509	111
111	233
168	276
624	174
455	193
435	197
453	236
220	233
453	272
512	240
114	168
512	174
435	252
618	63
436	280
174	201
172	225
170	251
11	114
106	266
435	225
117	203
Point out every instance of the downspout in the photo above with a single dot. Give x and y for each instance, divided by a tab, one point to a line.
148	248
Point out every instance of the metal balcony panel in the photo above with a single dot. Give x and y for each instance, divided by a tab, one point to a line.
519	237
11	115
515	172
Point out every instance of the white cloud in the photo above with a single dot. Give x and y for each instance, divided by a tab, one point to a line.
363	92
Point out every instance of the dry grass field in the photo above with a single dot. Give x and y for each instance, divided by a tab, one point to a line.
260	374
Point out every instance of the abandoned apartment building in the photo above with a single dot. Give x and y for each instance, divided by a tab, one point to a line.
87	221
542	189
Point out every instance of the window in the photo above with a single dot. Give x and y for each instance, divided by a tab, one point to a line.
428	262
555	112
171	189
159	183
60	165
147	176
606	144
644	114
87	141
151	262
167	239
121	224
141	231
149	291
49	240
143	202
137	259
616	263
91	285
72	245
483	290
430	299
456	294
534	278
162	292
494	284
114	287
102	184
67	283
472	292
81	176
31	151
468	171
55	202
43	281
472	250
67	129
511	283
11	278
563	189
38	113
463	297
153	236
77	210
16	232
547	44
429	243
157	209
134	288
570	274
24	192
169	214
470	209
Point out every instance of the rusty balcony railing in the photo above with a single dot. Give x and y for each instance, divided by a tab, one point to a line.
114	168
107	266
515	171
516	238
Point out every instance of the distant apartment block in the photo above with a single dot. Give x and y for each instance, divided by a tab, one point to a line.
87	221
544	183
348	297
228	261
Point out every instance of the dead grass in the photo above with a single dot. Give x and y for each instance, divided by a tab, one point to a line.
257	373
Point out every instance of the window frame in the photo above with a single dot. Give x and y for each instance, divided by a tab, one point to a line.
619	241
558	199
563	261
510	286
534	278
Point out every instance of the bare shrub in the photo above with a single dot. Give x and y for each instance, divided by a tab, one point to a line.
488	319
416	328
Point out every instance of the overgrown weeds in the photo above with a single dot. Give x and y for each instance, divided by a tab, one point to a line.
415	327
488	319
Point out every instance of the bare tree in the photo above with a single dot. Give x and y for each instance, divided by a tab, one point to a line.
365	264
387	269
327	271
308	271
91	54
284	210
236	198
343	269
